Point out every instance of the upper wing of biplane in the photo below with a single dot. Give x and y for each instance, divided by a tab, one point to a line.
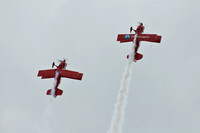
71	74
50	73
142	37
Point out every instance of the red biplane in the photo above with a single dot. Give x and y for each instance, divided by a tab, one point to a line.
137	37
57	74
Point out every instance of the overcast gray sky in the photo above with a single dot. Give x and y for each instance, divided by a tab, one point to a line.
165	88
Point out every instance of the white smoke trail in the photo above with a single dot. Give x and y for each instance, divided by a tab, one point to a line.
47	115
45	126
118	115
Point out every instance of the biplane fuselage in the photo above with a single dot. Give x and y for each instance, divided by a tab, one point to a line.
57	74
138	37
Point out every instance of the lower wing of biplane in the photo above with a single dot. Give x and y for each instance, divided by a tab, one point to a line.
57	74
142	37
44	74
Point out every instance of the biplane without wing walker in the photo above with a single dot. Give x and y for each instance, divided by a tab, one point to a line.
57	74
138	37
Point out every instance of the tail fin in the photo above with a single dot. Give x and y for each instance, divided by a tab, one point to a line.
58	92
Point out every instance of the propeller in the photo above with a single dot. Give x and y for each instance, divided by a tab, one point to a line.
59	60
67	61
139	22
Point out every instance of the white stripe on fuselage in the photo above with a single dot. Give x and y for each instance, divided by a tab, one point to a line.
132	54
55	83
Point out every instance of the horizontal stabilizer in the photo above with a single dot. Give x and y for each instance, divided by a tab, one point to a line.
138	56
58	92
